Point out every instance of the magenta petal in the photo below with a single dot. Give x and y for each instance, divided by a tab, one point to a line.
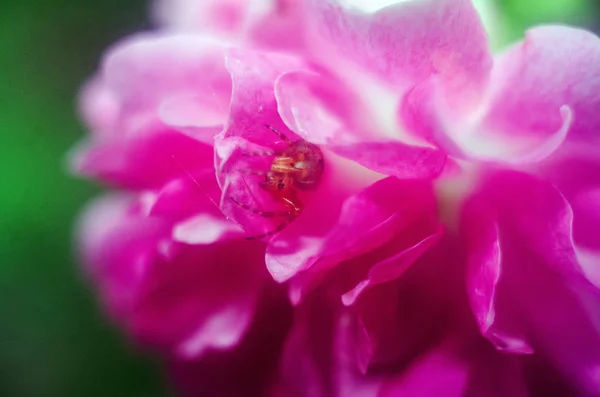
245	149
386	211
148	71
118	247
395	158
246	370
529	111
441	372
220	17
147	160
264	23
323	111
99	107
191	201
151	88
159	290
483	275
200	306
253	101
577	176
407	42
399	319
527	285
187	195
554	67
393	267
459	368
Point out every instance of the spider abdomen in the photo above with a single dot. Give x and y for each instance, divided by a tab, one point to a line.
307	164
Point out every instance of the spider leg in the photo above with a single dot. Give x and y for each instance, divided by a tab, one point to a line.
264	153
266	214
279	134
291	201
247	171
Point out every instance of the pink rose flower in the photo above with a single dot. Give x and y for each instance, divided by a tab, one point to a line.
373	206
276	24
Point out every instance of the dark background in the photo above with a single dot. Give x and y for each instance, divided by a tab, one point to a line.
54	341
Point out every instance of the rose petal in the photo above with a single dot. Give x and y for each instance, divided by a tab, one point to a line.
301	243
245	149
325	112
147	160
367	221
577	175
263	23
406	43
219	17
392	267
148	70
554	67
451	374
399	319
142	80
395	158
193	193
248	369
527	112
99	107
161	293
118	248
537	288
527	106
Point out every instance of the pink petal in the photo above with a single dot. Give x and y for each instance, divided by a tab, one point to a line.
246	370
577	175
381	220
554	67
264	23
526	282
159	290
324	111
282	28
306	367
221	17
395	158
147	71
151	87
460	367
484	270
317	360
193	306
99	107
467	134
406	43
529	109
188	195
301	244
392	267
147	160
399	319
253	100
242	149
206	229
451	376
117	249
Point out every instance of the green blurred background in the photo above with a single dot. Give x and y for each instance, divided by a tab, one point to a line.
54	342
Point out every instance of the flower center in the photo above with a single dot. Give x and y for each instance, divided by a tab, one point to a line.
452	188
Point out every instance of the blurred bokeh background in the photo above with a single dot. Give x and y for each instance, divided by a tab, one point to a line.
54	341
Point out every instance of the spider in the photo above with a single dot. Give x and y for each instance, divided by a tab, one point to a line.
297	167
